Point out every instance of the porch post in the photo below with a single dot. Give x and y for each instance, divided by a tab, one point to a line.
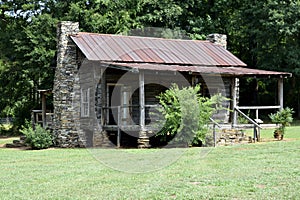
44	109
143	140
280	92
234	90
142	99
103	98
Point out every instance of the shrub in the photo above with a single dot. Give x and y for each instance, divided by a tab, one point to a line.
38	138
6	129
186	114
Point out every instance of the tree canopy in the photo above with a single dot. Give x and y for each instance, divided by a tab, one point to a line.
264	34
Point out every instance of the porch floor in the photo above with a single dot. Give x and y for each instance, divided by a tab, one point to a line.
128	128
151	128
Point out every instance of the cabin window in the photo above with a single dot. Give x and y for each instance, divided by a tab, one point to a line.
85	102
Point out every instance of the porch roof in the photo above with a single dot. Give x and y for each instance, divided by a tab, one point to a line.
229	71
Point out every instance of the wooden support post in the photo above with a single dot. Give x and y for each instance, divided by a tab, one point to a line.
142	99
280	92
143	140
119	127
254	133
258	134
103	97
193	81
33	120
256	114
234	94
44	109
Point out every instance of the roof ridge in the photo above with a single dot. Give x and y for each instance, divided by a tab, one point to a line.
140	37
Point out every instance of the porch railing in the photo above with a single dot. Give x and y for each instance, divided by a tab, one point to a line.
128	114
214	130
256	126
37	118
115	117
257	108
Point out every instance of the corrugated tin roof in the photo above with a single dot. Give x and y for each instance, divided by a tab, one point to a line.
230	71
132	49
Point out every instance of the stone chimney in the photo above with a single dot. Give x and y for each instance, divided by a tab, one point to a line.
219	39
66	130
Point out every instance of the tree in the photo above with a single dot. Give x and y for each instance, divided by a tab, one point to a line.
267	37
264	34
26	53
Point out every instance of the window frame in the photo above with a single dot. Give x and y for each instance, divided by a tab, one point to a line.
85	103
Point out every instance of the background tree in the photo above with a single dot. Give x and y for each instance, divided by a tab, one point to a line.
264	34
267	37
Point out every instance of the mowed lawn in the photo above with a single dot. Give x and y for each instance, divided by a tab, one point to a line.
266	170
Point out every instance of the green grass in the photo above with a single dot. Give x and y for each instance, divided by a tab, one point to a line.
292	132
251	171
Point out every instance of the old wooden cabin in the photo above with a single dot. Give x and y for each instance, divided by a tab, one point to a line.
105	86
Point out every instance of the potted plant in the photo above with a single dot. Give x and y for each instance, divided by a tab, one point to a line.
278	133
282	117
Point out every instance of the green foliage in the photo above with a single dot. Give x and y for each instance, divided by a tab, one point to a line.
283	117
5	129
242	120
186	114
38	138
264	34
25	67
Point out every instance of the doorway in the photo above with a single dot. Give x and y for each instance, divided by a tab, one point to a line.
119	96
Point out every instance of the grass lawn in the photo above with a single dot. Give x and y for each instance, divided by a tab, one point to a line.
292	132
267	170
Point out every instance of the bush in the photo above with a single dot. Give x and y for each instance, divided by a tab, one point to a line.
39	138
6	129
186	115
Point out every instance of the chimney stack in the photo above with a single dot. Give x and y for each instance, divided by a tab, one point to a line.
219	39
65	128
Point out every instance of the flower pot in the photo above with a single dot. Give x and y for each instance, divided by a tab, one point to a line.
278	135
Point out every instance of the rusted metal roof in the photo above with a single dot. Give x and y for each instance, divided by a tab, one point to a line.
146	53
132	49
229	71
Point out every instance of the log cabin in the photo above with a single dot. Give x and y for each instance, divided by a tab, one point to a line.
105	86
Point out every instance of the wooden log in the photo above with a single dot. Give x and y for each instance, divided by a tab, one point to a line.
44	109
142	99
234	88
257	107
280	92
103	98
119	127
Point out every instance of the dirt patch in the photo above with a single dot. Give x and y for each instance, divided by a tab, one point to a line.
260	186
243	149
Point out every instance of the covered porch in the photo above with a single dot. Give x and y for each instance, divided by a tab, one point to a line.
129	103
